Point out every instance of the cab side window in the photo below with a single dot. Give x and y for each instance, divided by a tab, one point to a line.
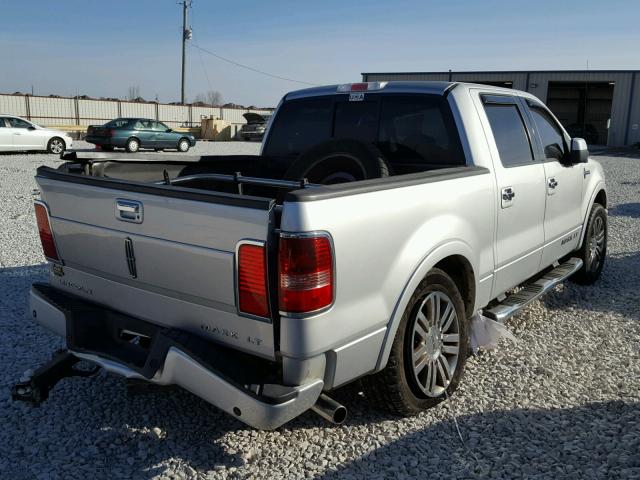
2	123
549	132
510	133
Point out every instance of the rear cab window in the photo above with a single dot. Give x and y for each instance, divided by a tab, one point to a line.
414	132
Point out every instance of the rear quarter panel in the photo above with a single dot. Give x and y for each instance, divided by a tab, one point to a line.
385	241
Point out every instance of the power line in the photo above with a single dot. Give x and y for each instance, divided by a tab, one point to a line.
204	70
237	64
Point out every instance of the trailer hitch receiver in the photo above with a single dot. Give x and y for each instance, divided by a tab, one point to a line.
35	388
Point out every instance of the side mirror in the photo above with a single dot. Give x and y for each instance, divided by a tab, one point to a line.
31	127
579	151
169	130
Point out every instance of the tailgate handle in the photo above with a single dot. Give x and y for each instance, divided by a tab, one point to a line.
129	210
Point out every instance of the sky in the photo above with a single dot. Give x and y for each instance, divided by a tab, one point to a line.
101	48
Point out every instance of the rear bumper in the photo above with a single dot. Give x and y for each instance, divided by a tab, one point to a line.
240	384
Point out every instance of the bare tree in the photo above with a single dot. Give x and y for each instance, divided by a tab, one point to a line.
134	92
212	97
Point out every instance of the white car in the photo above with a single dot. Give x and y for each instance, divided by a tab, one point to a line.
18	134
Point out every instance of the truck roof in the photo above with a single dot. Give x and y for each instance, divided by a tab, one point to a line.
393	86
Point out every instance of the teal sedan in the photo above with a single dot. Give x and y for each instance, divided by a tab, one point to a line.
133	134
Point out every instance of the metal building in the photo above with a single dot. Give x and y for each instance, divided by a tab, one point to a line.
602	106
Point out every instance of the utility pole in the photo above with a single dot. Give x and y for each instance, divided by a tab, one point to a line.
186	35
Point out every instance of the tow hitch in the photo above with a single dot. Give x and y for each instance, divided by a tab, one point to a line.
34	387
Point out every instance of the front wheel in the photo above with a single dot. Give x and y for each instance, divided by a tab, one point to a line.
56	145
183	145
594	247
429	350
133	145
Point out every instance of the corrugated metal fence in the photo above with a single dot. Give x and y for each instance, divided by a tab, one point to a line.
76	111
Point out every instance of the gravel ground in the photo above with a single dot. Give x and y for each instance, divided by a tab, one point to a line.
562	402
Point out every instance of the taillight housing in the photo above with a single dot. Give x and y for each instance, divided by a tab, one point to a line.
46	234
306	273
253	294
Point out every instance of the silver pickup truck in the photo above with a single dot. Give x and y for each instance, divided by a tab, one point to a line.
378	219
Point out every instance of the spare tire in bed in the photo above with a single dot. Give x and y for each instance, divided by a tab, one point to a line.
338	161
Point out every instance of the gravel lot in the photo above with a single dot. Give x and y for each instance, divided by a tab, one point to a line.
562	402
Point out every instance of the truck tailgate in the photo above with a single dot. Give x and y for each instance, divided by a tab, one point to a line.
174	265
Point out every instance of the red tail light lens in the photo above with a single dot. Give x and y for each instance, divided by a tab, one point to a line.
306	274
46	235
252	280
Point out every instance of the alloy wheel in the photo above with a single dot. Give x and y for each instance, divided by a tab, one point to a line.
435	344
56	146
596	243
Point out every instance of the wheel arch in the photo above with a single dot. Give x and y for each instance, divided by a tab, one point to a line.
598	195
54	137
454	259
461	272
601	198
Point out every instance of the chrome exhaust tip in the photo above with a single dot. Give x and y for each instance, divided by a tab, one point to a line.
330	410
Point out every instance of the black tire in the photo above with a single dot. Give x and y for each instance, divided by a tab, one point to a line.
183	145
106	148
592	265
395	388
338	161
56	146
132	145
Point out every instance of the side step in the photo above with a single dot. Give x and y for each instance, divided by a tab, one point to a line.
532	291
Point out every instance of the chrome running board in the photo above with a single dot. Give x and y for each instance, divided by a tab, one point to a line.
531	291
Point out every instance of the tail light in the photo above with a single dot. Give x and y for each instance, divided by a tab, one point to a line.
305	272
253	297
46	235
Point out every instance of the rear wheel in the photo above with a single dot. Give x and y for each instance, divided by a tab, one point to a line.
594	247
133	145
56	145
428	353
183	145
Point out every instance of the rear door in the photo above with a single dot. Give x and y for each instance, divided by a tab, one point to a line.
163	254
563	219
6	136
520	183
145	132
